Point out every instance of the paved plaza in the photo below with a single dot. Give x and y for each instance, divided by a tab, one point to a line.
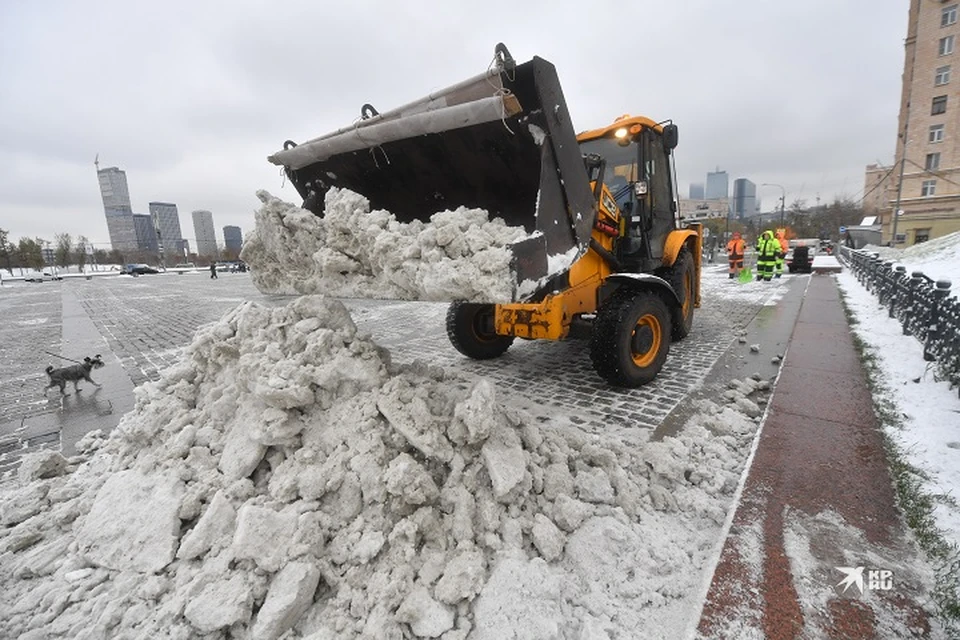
141	325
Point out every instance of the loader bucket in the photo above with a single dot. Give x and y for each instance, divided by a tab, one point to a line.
501	141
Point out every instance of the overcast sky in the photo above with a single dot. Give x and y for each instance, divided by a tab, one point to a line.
189	97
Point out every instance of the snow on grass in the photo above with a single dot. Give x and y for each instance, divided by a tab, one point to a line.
283	479
930	410
938	258
921	418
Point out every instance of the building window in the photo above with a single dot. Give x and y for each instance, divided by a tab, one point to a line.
939	105
948	16
901	238
946	46
936	133
933	162
920	235
942	77
929	188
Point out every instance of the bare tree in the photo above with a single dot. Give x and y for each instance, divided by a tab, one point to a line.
30	253
81	252
6	249
63	251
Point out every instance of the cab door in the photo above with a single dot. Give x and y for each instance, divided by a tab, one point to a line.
655	168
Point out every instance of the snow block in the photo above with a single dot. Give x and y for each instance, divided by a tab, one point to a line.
290	595
221	604
217	523
427	617
133	523
263	535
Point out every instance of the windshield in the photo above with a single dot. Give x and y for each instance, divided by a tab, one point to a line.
622	166
621	161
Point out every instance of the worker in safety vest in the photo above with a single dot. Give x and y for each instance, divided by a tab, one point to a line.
767	249
784	246
735	249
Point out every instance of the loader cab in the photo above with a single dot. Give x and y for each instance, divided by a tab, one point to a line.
636	164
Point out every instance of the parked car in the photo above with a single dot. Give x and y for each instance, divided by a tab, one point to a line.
42	276
138	269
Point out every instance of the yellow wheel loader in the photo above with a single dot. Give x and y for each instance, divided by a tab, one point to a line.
603	251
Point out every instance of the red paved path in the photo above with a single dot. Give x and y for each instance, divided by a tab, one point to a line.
819	451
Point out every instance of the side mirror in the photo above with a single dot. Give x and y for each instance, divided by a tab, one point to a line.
671	137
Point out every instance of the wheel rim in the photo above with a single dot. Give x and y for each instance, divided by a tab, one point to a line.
480	331
645	340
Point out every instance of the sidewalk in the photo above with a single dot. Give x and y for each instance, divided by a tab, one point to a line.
819	496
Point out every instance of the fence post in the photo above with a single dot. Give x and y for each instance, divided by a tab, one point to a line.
916	281
933	333
899	282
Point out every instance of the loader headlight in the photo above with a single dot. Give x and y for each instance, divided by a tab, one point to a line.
621	132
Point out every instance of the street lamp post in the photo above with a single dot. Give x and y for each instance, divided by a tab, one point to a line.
783	198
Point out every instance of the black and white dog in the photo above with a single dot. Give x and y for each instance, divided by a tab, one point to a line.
74	373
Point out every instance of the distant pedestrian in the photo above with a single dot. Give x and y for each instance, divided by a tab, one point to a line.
735	250
213	270
767	249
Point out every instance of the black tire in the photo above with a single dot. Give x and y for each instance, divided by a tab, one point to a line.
630	338
470	329
682	276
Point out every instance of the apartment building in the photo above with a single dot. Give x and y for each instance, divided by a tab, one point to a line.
928	134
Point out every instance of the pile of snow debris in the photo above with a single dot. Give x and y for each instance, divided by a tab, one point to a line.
284	479
355	252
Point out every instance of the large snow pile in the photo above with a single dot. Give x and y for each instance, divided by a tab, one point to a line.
284	478
939	258
355	252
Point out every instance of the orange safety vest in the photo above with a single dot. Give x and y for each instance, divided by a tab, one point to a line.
735	247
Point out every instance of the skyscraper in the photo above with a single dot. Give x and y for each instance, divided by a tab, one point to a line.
146	234
696	191
718	185
117	209
206	235
166	219
232	239
744	198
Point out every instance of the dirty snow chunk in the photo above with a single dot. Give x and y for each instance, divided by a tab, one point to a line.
290	595
462	578
521	601
263	536
221	604
216	524
42	464
410	415
241	455
547	537
133	523
479	412
505	460
748	407
427	617
407	478
568	513
23	504
593	485
755	348
368	547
